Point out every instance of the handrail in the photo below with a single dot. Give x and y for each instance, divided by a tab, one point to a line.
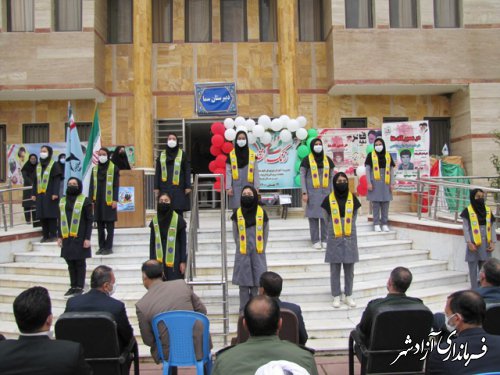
8	217
194	225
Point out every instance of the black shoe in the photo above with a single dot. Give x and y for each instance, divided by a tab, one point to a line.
99	252
69	292
77	292
44	239
106	252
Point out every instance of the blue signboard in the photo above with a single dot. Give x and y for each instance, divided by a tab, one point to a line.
215	99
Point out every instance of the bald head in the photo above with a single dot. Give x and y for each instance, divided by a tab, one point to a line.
262	316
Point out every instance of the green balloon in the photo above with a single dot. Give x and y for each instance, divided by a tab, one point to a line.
297	180
312	133
302	151
297	166
369	149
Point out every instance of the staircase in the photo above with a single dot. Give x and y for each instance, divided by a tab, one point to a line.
289	253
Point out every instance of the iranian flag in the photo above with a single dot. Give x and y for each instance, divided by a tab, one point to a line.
91	157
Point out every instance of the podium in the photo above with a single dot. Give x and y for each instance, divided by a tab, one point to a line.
131	210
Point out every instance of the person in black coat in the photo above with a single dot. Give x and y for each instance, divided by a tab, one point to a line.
29	174
179	187
46	193
164	218
120	158
61	161
105	205
75	247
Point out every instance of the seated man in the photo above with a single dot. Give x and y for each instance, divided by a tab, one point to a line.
34	352
271	285
397	285
262	319
161	297
98	298
473	350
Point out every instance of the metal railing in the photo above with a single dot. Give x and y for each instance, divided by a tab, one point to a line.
11	209
194	226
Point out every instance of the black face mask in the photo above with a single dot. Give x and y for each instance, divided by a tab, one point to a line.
72	190
342	186
122	155
163	207
246	201
480	200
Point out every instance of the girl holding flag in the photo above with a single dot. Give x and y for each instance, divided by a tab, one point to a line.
315	178
167	243
250	231
75	229
241	169
479	233
380	176
341	208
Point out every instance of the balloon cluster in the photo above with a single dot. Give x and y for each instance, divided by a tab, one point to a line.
362	188
303	151
219	148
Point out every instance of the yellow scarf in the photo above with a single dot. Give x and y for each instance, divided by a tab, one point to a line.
234	165
376	169
335	212
259	230
315	173
474	223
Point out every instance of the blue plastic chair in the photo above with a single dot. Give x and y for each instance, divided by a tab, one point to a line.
180	331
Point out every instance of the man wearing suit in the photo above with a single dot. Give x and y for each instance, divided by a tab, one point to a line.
102	283
489	279
271	284
161	297
472	351
34	352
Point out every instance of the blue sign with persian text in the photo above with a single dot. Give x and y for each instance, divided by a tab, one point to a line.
215	99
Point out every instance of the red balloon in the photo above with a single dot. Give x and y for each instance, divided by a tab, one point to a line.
212	166
220	161
218	128
217	140
227	147
214	150
219	170
217	185
362	188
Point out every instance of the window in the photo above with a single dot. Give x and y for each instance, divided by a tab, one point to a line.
20	15
439	129
233	18
162	21
310	20
68	15
403	13
358	14
446	13
83	128
268	15
198	21
354	122
385	120
35	133
119	21
3	153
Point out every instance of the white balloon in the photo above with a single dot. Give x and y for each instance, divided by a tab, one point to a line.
301	134
265	121
266	138
229	123
239	121
284	120
302	121
276	125
230	134
251	138
250	123
360	171
241	129
293	125
285	135
258	131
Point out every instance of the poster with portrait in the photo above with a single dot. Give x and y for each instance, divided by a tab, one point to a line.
408	144
347	147
126	199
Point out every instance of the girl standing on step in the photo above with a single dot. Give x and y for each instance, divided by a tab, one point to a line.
46	193
29	175
315	178
241	169
479	232
74	231
341	209
250	232
167	243
380	176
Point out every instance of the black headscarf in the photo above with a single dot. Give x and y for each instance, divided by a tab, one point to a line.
71	199
249	213
241	152
55	171
28	167
380	155
479	208
341	197
317	157
172	152
62	166
164	218
102	168
120	159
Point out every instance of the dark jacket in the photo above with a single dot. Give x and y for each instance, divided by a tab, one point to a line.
103	212
180	200
490	294
46	208
95	300
298	312
72	247
38	355
28	178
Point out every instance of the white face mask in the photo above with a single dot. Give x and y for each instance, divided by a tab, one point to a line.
241	142
62	161
449	327
44	155
317	148
379	148
171	143
110	293
103	159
